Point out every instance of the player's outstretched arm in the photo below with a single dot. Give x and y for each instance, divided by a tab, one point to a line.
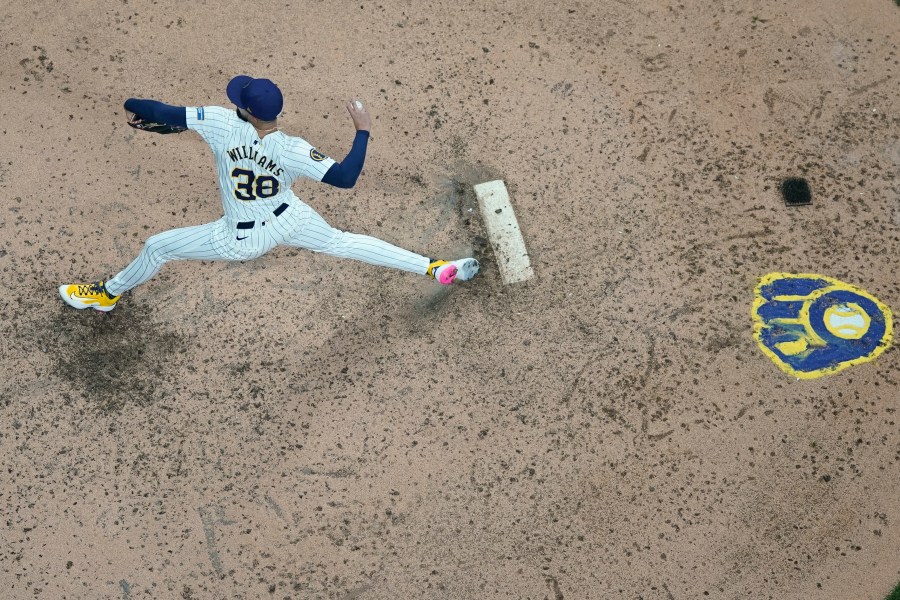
345	173
154	111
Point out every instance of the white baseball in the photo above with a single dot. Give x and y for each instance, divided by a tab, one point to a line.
358	105
847	321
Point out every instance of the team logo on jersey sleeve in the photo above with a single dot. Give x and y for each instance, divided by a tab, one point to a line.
316	155
812	325
201	114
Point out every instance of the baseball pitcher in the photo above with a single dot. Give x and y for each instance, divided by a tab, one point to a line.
256	164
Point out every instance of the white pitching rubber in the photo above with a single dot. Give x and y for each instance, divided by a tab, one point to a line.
503	232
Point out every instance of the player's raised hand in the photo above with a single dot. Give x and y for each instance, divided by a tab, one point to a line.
361	119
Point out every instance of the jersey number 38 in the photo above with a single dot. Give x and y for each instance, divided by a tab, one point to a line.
247	186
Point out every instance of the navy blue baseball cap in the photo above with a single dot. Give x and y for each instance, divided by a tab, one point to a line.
259	97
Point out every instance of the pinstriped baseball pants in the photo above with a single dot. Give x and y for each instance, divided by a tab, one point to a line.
299	226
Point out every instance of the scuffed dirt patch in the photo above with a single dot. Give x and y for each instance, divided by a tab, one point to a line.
118	359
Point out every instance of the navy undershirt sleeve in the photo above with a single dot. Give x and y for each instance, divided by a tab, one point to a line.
157	112
345	173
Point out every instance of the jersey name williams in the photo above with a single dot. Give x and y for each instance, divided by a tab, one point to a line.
243	152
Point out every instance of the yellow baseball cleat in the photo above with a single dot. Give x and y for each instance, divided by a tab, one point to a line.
88	295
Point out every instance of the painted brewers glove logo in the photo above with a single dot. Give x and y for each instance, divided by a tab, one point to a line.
812	325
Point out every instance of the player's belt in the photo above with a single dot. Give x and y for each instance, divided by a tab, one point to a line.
250	224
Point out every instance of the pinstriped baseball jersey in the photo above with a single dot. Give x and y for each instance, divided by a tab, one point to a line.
255	175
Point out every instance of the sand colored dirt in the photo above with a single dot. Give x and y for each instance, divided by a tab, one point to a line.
302	427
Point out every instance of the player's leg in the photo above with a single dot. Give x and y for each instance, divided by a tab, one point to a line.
319	236
177	244
186	243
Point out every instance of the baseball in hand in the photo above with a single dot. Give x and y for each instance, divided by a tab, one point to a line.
358	105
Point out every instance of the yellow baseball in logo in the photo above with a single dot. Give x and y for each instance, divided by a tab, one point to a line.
847	321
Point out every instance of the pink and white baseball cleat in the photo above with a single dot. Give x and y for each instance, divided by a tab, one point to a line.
448	273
